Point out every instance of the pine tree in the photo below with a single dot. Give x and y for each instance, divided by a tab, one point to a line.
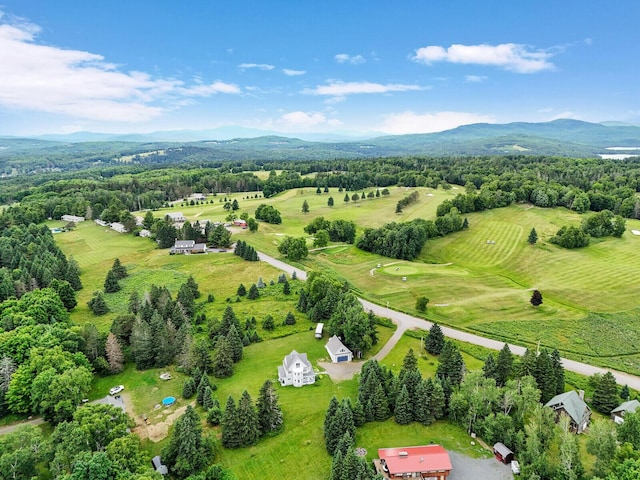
111	284
249	426
533	237
625	394
536	298
118	269
142	345
504	366
269	411
235	344
230	425
465	224
207	399
359	418
438	400
605	395
302	305
114	354
451	364
228	318
403	413
222	359
558	371
72	274
98	304
64	290
490	369
330	202
421	402
188	451
380	404
268	323
305	207
290	319
286	288
253	292
435	340
193	286
214	414
202	387
330	427
189	388
242	291
163	346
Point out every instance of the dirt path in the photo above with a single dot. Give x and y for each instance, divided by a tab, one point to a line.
11	428
407	322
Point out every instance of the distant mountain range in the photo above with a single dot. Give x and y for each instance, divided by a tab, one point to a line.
559	138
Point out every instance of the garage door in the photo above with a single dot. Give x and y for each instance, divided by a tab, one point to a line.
343	358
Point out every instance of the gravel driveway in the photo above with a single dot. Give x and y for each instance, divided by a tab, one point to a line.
467	468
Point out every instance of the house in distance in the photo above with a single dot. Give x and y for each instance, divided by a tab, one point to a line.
573	405
296	370
187	247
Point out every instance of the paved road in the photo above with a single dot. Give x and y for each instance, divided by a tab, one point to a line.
407	322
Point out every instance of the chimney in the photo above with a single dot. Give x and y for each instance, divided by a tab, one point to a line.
581	394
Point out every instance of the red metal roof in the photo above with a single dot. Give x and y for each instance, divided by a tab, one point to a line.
427	458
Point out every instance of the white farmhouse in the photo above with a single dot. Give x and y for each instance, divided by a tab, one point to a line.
296	370
337	351
118	227
72	218
176	217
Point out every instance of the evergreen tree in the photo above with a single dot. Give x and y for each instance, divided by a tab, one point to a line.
465	223
64	290
222	359
72	274
134	302
558	371
189	388
214	414
536	298
533	237
403	413
490	369
450	364
111	284
302	305
330	428
286	288
193	286
305	207
253	292
242	291
422	401
438	400
118	269
359	418
248	425
207	399
202	387
188	451
269	411
380	404
625	394
504	366
605	394
142	345
228	318
200	356
186	299
235	344
231	425
545	376
260	283
435	340
268	323
163	345
330	202
290	319
98	304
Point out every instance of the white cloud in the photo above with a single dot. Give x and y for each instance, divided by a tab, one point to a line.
81	84
475	78
298	121
259	66
352	59
411	122
293	73
510	56
341	89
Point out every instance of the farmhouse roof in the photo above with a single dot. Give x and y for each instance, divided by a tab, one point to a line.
572	404
631	406
427	458
184	244
334	345
295	356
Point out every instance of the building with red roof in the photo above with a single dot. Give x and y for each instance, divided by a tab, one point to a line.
428	461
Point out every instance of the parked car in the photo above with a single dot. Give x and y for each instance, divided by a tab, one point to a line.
116	390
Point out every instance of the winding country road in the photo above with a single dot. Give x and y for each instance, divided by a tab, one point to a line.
407	322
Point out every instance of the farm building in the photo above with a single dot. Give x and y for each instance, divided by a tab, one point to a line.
296	370
176	217
502	453
72	218
239	223
573	405
198	196
618	413
102	223
319	328
187	247
428	461
144	233
159	466
337	351
118	227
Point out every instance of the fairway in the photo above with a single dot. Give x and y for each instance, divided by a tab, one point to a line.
399	270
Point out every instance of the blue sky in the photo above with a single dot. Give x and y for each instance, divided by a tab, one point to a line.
314	66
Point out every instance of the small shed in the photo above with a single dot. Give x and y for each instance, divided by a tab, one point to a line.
159	466
618	413
319	328
502	453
